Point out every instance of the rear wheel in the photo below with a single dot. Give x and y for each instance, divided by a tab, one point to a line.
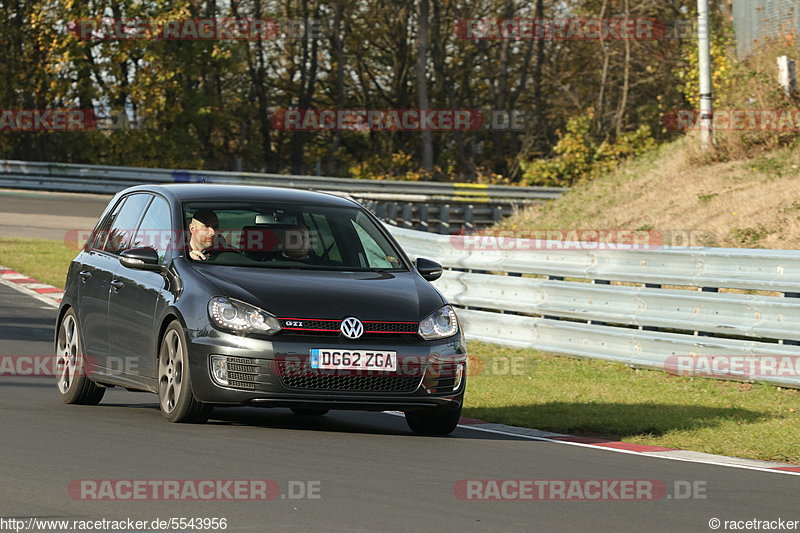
433	421
309	411
174	381
71	366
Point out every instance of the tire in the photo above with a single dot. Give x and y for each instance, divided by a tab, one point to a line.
433	421
175	395
72	368
309	411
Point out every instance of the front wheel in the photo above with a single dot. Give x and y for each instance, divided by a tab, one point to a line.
433	421
174	382
72	369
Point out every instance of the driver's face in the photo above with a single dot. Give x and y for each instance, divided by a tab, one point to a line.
203	235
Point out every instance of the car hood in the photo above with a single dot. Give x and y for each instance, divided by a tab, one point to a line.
397	296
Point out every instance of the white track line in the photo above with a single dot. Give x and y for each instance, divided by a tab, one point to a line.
655	455
30	292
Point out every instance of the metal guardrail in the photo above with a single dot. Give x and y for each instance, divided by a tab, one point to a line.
439	218
614	305
111	179
428	206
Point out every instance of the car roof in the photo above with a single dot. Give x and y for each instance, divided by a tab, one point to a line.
199	192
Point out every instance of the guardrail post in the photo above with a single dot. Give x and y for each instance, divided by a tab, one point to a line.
423	217
380	210
408	219
391	212
444	219
468	218
497	213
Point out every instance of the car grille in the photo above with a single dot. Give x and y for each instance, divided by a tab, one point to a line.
242	373
330	328
300	375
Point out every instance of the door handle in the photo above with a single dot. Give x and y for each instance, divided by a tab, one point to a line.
117	284
85	275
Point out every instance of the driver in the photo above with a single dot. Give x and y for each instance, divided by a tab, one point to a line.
205	238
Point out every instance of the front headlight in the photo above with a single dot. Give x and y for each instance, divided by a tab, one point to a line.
237	316
439	324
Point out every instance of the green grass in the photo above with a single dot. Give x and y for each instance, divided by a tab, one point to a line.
611	400
44	260
581	397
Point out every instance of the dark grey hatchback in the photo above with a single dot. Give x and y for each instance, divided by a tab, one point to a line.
234	295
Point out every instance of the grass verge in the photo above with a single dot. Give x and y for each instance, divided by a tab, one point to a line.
44	260
580	397
610	400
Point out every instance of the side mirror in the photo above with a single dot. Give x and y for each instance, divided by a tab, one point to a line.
144	258
430	270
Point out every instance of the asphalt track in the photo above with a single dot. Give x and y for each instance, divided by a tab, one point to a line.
372	473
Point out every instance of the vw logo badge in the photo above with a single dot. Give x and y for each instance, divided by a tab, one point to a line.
352	328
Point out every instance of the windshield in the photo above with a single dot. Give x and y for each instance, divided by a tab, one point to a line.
267	235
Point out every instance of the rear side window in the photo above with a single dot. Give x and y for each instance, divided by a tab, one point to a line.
98	238
155	230
124	224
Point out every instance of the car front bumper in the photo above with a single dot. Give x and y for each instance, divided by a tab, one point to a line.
274	372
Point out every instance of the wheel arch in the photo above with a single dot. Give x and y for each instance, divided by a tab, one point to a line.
170	316
61	312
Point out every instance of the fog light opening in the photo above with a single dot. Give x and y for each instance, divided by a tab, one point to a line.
219	369
459	376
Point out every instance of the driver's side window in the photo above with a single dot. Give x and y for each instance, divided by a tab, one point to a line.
155	230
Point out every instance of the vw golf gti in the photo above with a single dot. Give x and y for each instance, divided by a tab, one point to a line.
217	295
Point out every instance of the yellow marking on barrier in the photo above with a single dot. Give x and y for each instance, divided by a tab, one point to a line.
464	196
472	185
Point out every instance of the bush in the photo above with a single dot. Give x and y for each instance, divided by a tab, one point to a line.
579	157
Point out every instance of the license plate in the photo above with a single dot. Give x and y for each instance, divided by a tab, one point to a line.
339	359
